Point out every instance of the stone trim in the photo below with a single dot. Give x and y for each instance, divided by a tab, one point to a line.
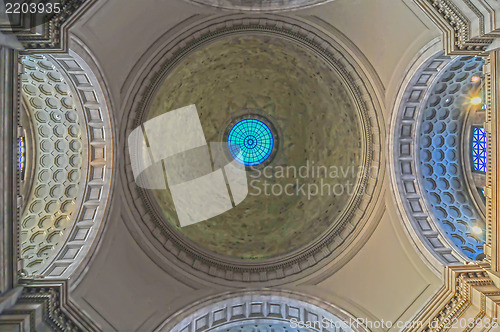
9	209
456	26
186	255
492	188
458	298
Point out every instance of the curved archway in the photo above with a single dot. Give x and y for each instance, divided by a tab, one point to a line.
71	163
427	149
261	310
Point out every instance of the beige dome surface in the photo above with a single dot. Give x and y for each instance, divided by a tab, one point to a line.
318	129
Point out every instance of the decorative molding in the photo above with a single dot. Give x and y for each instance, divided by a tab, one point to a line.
52	35
46	304
256	307
492	188
468	294
215	267
456	26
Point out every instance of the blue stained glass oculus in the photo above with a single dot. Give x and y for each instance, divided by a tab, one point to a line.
250	141
479	149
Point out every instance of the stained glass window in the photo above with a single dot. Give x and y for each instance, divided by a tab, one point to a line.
479	149
250	142
22	157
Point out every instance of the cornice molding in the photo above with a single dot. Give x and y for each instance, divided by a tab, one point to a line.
468	293
52	35
9	208
456	26
46	303
492	188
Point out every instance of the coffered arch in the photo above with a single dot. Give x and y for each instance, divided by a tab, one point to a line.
427	150
261	310
72	160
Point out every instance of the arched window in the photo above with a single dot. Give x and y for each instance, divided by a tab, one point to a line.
22	157
479	149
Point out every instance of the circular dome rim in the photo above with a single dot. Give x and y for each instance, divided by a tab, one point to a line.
284	268
342	219
252	9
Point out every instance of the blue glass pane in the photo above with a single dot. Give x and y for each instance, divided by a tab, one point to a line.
22	156
479	149
250	141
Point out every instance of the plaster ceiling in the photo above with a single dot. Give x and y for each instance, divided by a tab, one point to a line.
316	125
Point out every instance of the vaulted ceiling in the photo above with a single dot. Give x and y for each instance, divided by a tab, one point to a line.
356	91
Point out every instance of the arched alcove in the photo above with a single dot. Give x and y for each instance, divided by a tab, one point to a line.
431	155
68	163
261	310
